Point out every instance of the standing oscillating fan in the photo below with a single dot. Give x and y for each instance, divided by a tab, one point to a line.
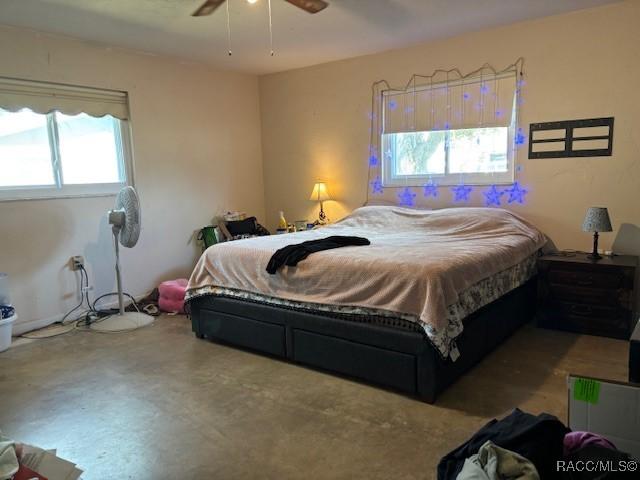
125	221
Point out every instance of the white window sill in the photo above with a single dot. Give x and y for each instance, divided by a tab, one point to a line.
478	179
70	191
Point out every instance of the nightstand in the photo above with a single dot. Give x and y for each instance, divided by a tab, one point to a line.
579	295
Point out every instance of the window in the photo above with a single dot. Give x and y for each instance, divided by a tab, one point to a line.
60	154
462	132
481	155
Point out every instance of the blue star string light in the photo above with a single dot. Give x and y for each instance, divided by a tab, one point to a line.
406	197
484	88
393	104
493	196
461	193
516	193
466	95
430	189
373	160
376	187
521	138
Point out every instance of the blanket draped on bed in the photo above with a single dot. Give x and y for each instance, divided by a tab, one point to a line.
418	263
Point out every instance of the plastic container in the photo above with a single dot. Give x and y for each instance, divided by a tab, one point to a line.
6	325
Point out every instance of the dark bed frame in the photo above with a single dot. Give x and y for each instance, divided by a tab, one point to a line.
386	356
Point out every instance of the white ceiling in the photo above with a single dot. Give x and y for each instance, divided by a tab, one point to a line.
347	28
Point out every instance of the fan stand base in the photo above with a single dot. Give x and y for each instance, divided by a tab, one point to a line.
122	323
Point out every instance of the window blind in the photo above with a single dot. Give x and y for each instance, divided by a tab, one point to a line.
43	97
482	101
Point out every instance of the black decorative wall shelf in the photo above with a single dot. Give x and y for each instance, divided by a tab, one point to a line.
592	137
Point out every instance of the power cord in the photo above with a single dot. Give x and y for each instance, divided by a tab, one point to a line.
54	330
83	321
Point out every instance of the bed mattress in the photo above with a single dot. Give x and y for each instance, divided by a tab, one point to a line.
424	270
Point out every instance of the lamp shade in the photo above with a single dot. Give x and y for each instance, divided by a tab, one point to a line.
319	193
597	220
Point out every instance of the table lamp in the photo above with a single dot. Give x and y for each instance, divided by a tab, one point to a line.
320	194
596	220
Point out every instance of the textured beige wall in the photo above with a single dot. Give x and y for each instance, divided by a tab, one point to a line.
196	142
580	65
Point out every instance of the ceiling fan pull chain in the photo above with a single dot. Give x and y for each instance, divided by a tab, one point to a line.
228	29
270	29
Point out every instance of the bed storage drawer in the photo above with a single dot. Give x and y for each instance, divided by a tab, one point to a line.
384	367
262	336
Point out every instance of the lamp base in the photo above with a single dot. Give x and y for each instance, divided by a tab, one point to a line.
322	217
594	255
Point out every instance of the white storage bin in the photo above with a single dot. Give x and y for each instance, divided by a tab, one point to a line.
6	325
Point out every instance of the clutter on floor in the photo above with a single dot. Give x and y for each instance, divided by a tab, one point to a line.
538	439
25	462
171	295
92	318
607	409
532	447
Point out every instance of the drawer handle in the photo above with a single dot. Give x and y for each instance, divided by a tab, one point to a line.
581	309
585	281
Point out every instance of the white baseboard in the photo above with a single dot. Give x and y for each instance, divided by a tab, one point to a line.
24	326
20	326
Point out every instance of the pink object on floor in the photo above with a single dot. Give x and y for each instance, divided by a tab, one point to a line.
172	295
574	441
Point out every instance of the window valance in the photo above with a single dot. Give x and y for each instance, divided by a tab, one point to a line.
44	97
471	102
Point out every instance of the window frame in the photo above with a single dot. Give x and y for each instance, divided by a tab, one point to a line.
60	190
390	179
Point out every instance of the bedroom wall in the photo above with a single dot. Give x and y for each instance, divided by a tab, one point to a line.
584	64
197	153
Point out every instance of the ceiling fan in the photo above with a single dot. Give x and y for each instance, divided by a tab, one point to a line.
311	6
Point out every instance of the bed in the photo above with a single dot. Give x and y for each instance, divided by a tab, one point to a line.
433	293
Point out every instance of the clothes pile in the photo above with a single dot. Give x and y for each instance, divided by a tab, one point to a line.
527	447
25	462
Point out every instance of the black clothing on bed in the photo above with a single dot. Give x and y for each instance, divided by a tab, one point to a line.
537	438
292	254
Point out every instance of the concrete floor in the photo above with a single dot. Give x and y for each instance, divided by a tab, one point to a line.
160	404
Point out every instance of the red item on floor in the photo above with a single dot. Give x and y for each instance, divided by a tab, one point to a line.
25	473
171	295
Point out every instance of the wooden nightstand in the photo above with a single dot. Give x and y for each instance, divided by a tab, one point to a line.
580	295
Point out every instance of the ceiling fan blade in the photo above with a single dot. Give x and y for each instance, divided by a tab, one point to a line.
207	8
311	6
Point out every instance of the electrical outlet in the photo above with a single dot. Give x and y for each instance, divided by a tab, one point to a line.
77	262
